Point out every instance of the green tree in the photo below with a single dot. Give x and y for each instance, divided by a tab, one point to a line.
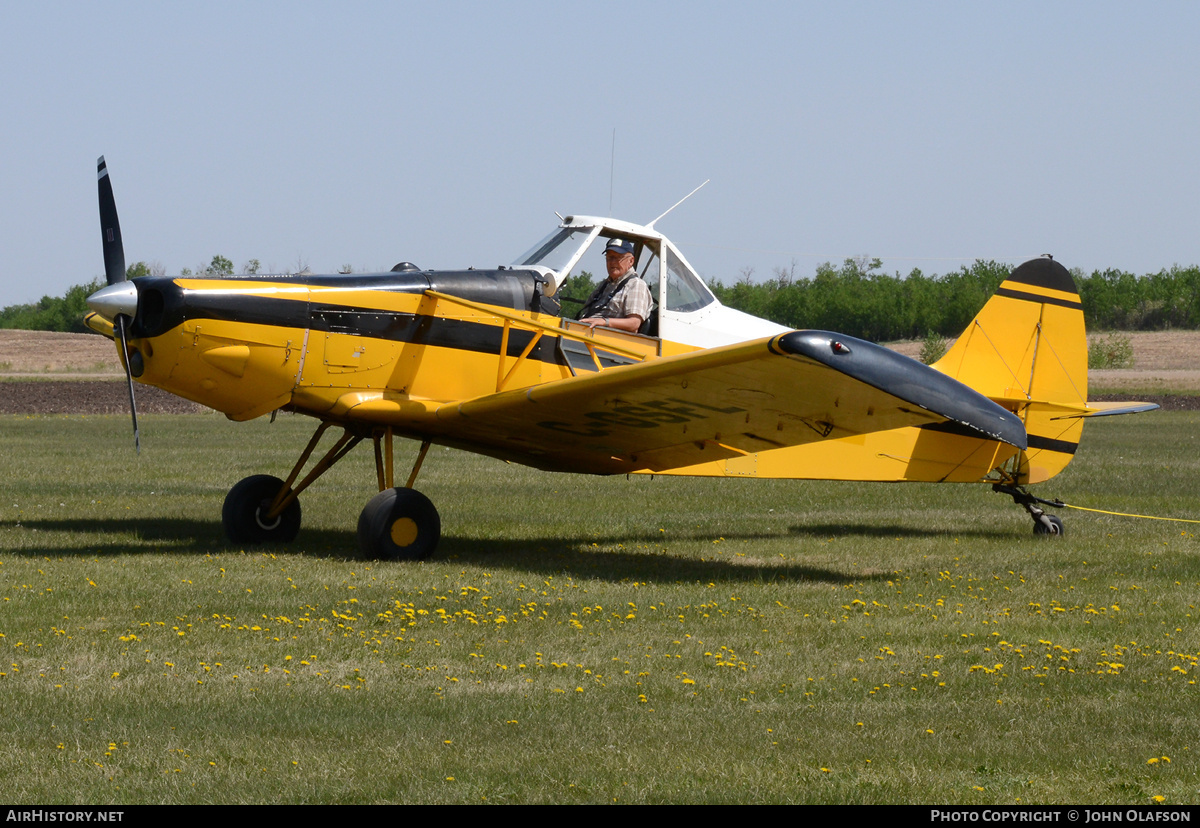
137	270
220	266
574	291
53	313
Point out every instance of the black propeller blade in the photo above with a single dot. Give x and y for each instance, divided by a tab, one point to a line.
114	271
110	227
137	442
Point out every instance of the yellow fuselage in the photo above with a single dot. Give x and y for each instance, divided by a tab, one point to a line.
394	349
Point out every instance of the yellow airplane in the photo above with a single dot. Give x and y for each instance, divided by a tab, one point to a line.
484	360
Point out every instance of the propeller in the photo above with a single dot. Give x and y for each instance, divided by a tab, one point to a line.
114	273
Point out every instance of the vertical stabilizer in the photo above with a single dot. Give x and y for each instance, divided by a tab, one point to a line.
1027	351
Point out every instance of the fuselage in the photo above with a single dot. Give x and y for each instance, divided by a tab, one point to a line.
248	345
407	349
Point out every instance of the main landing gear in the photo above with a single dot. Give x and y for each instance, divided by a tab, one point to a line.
1043	524
398	524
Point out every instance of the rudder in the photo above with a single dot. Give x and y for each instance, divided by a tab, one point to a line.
1027	350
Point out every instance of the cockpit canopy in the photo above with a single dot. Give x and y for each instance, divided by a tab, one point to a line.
578	245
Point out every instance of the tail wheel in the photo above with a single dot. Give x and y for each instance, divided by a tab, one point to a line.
244	513
1048	525
399	525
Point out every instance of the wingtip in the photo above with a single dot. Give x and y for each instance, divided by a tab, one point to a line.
906	379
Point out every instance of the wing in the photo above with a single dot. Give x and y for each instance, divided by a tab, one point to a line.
787	390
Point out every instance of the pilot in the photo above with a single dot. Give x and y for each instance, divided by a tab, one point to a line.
622	300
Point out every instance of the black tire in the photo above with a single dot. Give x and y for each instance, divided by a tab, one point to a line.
245	505
1055	528
399	525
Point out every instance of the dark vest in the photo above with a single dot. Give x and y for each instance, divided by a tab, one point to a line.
598	303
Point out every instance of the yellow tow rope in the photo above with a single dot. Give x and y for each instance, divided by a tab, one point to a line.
1126	514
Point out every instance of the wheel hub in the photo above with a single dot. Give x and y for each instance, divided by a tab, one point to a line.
266	525
404	531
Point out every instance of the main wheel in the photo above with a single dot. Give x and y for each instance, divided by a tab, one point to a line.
245	509
399	525
1055	527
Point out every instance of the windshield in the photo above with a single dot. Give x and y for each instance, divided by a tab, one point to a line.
556	250
684	291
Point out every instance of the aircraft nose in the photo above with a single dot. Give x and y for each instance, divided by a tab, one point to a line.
109	301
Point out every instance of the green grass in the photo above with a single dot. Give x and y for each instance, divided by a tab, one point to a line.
1150	389
590	639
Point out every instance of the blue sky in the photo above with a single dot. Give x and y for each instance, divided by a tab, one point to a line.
926	134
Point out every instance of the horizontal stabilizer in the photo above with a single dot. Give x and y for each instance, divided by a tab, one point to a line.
1108	409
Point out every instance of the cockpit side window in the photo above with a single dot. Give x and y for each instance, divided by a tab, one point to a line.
649	267
685	292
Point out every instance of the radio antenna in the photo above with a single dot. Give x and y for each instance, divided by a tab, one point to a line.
612	166
650	226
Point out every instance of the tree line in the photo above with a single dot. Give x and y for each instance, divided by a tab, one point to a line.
861	300
65	313
858	298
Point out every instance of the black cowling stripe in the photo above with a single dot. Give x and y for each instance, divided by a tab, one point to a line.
163	304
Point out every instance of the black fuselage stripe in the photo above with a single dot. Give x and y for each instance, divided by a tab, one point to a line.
393	326
1050	444
951	427
1035	443
1033	297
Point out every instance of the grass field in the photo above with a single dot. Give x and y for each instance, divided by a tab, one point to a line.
590	639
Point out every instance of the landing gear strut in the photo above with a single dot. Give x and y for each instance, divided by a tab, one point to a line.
1043	524
399	523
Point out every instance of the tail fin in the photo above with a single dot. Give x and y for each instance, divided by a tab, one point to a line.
1027	351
